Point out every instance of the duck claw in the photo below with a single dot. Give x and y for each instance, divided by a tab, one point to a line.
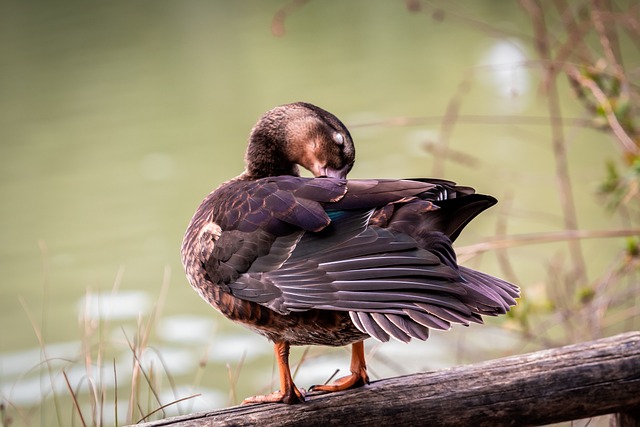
297	396
344	383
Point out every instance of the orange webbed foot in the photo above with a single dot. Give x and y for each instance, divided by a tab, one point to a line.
295	396
356	379
288	392
358	375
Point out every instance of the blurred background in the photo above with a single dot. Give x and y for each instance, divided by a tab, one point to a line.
117	118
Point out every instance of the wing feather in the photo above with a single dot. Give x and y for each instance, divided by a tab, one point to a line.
390	328
372	327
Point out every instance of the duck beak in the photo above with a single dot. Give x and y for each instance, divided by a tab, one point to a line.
335	173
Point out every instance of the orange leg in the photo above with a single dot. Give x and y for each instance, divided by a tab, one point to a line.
358	375
288	392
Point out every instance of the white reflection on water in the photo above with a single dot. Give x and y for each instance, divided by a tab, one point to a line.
30	383
173	360
232	348
187	329
108	305
209	398
20	362
24	379
27	392
508	75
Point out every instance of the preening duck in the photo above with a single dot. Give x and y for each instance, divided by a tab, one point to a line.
331	261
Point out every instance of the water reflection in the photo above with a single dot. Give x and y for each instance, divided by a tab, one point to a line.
231	348
508	72
22	362
209	398
30	377
113	306
187	329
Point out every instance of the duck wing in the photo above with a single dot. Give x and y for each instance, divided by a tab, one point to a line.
380	252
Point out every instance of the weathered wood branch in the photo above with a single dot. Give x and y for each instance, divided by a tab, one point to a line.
567	383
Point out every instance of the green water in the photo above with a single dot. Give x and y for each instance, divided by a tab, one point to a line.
116	118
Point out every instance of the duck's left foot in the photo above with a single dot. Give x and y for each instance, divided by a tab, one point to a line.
356	379
358	375
297	396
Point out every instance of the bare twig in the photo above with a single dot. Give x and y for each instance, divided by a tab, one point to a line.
447	125
277	23
474	119
575	31
539	238
501	232
627	143
563	178
607	35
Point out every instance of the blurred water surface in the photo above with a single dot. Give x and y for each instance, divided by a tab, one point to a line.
117	118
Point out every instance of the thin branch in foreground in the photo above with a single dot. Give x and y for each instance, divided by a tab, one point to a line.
277	23
603	102
74	398
539	238
163	407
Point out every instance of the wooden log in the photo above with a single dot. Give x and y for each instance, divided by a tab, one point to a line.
573	382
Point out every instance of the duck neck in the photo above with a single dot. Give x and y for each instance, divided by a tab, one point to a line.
266	157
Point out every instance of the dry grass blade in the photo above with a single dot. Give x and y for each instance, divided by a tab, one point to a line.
138	363
332	376
234	377
115	392
43	349
74	398
163	407
303	358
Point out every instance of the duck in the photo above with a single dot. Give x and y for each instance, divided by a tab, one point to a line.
331	261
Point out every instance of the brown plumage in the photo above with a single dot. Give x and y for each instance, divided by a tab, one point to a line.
330	261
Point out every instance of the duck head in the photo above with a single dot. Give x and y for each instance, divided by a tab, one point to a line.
299	134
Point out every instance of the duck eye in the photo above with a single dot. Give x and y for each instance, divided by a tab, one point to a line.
338	138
